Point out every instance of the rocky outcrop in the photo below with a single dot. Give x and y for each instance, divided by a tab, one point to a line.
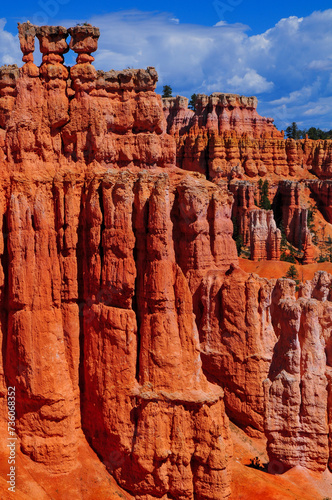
218	112
102	250
265	238
163	419
322	191
237	341
50	119
244	193
125	321
177	114
271	352
237	140
296	390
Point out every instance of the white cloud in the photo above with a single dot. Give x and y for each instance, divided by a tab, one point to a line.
288	66
251	81
10	50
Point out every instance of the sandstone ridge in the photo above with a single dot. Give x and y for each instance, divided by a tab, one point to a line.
127	327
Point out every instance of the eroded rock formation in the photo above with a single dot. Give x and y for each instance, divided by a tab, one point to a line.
296	389
265	238
218	112
125	321
102	247
236	136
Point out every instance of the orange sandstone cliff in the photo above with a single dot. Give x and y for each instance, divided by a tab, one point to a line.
128	329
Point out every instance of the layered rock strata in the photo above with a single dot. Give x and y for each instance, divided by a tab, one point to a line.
114	118
271	352
124	317
218	112
298	406
265	238
225	137
101	250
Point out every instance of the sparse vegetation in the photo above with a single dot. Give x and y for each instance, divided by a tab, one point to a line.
292	273
255	463
293	132
288	252
264	201
167	91
192	102
242	250
236	236
325	250
311	223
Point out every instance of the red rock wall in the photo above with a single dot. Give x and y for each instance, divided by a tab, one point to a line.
218	112
237	341
265	238
124	317
139	314
102	248
296	391
226	137
271	353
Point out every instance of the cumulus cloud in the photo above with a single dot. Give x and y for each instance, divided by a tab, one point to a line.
288	67
10	51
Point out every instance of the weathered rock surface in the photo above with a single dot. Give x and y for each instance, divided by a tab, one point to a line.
265	238
225	136
296	391
162	417
77	269
102	247
237	341
257	337
218	112
124	317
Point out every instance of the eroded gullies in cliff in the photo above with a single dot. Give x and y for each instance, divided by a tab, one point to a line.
124	312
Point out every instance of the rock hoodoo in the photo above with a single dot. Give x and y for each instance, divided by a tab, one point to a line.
126	324
98	324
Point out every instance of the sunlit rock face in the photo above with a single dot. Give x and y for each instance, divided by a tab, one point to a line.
126	323
102	238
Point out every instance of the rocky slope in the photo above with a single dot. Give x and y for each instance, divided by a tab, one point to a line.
128	328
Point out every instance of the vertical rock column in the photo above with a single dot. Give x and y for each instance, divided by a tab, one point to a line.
80	136
36	361
8	92
26	34
25	142
108	320
244	202
84	40
237	341
174	389
53	46
148	410
296	395
265	238
292	216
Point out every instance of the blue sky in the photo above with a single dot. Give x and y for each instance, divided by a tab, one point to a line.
281	53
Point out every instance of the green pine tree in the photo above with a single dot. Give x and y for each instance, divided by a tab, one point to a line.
167	91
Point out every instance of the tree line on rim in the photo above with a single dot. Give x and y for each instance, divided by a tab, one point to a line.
293	132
